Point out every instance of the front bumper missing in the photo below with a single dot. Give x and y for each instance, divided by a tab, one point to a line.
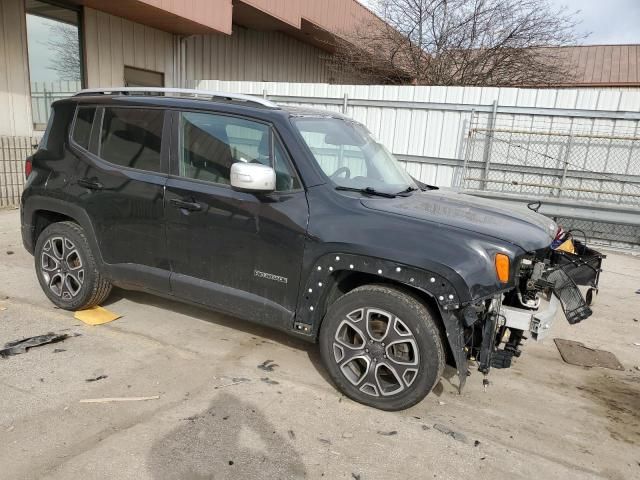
552	286
538	322
558	290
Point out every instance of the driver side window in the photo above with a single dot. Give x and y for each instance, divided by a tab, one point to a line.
209	144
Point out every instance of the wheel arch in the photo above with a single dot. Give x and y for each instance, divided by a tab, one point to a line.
40	212
43	218
333	275
346	281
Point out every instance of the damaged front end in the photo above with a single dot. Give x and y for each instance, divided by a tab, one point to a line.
546	281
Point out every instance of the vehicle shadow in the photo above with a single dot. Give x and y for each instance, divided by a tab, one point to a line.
207	315
230	439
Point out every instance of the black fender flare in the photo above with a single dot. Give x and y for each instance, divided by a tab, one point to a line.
34	204
321	277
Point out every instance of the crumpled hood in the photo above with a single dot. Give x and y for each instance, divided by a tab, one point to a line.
519	226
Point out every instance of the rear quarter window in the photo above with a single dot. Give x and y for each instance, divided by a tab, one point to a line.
82	126
57	133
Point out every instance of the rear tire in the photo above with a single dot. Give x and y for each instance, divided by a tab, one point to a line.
382	347
66	268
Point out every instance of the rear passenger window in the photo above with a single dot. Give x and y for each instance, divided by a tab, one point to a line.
131	137
210	144
82	126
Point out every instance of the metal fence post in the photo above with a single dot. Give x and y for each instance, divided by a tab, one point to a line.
345	103
466	139
629	160
4	163
489	144
567	155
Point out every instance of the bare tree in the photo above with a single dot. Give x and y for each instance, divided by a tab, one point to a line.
64	45
460	42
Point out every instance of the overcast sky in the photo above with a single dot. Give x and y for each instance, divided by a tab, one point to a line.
609	21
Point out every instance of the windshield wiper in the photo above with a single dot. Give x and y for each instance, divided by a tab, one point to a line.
407	190
367	190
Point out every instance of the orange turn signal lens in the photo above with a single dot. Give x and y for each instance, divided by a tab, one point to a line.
502	267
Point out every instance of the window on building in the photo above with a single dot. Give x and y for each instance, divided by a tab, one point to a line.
55	59
131	137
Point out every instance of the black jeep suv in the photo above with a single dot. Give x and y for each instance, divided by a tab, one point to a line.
293	218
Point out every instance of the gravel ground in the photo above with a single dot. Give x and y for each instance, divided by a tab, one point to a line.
220	416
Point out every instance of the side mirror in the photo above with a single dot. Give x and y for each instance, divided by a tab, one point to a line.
253	177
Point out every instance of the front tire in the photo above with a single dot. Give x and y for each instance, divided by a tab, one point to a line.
382	347
66	268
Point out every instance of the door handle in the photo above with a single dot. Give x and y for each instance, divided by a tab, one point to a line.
90	184
186	205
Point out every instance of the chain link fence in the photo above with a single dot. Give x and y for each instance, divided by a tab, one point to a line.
613	234
13	153
551	160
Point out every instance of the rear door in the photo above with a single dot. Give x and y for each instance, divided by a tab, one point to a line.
119	181
239	252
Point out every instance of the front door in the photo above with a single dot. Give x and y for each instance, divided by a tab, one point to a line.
238	252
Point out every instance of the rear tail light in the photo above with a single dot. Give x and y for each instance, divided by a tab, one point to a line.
28	166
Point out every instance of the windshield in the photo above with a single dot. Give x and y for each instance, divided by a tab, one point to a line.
348	154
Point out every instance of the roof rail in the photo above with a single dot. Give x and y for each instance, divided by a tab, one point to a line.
178	92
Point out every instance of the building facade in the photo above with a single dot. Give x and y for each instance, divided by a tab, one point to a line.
49	48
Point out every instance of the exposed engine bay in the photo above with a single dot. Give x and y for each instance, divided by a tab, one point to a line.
546	280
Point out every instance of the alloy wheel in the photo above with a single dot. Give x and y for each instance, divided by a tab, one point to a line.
62	268
376	352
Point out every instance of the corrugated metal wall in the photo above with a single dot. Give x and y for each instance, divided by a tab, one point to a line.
15	102
254	55
112	42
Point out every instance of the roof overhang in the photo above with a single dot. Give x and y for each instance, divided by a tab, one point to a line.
249	16
185	18
319	22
